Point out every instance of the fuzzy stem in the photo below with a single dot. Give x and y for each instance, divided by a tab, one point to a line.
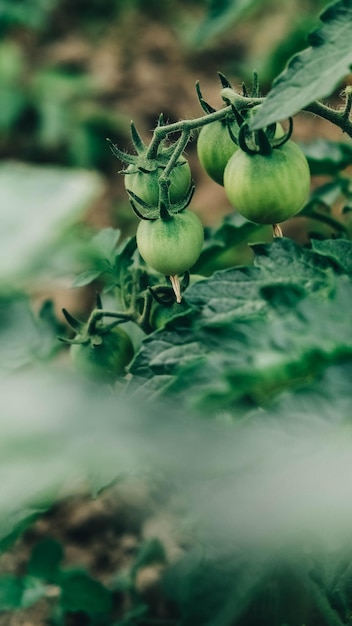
339	118
348	104
144	319
175	282
277	231
98	314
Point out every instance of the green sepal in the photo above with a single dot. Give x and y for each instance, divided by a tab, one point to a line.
207	108
224	81
73	322
122	156
137	139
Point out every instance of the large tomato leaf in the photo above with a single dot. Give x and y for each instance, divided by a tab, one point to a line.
266	316
315	72
339	250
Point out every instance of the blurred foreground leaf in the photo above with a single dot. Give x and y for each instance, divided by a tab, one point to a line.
38	205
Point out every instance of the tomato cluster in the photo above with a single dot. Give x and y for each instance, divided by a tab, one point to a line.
267	185
266	178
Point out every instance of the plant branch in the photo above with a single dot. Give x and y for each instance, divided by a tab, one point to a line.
339	118
98	314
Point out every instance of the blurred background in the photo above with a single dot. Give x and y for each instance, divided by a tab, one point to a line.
74	73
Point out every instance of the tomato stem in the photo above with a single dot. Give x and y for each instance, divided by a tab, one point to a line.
175	282
339	118
277	231
98	314
144	319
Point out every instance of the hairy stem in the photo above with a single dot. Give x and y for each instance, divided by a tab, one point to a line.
98	314
339	118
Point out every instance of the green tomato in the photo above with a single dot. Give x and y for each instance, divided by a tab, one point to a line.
103	358
171	246
268	189
145	184
215	147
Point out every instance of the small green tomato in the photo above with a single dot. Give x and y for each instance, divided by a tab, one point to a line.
103	358
171	246
268	189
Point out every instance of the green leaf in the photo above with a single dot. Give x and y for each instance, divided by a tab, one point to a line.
103	246
237	293
89	276
80	592
227	245
339	250
24	336
313	73
327	157
38	205
105	242
266	316
266	357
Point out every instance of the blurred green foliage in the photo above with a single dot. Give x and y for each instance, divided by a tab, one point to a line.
56	110
269	341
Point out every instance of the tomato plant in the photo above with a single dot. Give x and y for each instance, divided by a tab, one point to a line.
270	188
230	404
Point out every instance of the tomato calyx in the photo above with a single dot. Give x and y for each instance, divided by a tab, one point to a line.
94	329
262	141
145	212
150	177
228	121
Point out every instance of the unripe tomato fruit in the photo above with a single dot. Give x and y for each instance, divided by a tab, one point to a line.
215	147
105	361
173	245
145	184
268	189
